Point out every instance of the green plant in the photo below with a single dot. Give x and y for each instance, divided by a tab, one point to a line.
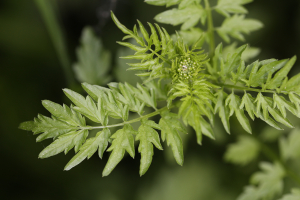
191	86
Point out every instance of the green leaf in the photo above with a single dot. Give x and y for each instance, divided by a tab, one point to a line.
233	61
295	100
222	109
144	31
162	2
248	53
249	103
154	37
86	106
245	150
125	30
188	17
234	102
191	36
199	124
295	195
282	104
170	126
292	85
236	25
147	137
266	70
27	126
93	60
65	143
266	105
250	193
100	141
123	141
185	3
129	98
164	48
269	180
289	147
146	95
225	7
281	74
64	113
269	183
133	47
50	127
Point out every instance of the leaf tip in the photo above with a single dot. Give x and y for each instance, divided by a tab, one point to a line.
27	126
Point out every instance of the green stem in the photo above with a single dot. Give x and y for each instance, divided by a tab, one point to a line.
161	57
48	14
127	122
210	29
246	88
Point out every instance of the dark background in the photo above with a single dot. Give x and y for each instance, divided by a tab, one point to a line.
30	72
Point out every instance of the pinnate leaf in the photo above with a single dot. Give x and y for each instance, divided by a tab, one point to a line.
236	25
289	147
65	143
269	183
147	137
242	152
233	102
123	141
222	109
64	113
170	126
49	127
100	142
225	7
188	17
93	60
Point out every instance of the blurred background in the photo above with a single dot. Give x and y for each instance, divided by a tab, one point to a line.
31	71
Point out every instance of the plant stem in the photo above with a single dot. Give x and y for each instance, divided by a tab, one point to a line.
246	88
56	35
127	122
210	29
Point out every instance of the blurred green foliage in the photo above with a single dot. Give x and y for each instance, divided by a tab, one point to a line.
31	71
